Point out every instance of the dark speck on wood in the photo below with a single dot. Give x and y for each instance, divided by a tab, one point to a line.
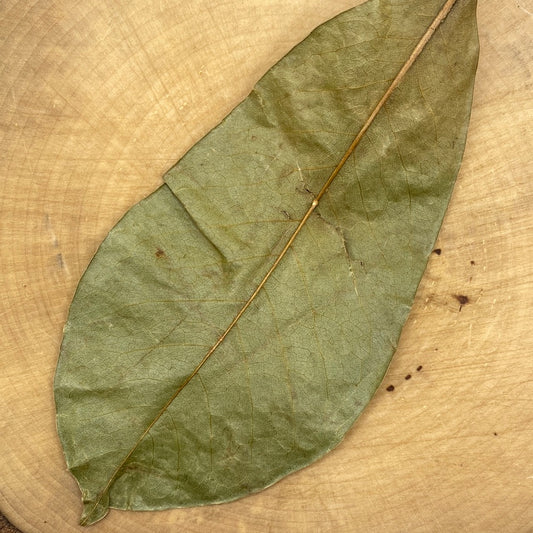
437	251
390	388
462	299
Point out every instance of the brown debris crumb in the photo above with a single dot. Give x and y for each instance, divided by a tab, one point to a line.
461	298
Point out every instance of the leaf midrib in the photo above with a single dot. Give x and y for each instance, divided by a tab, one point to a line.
441	16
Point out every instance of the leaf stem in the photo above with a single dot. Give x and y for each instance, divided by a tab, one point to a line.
443	13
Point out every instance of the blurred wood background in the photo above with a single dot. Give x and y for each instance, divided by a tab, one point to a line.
100	98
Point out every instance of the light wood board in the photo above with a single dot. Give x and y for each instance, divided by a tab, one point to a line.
99	98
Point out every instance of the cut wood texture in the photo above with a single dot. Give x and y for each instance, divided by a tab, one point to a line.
100	100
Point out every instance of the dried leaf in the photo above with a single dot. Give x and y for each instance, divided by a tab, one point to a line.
235	323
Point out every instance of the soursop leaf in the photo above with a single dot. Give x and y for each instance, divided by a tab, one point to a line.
234	324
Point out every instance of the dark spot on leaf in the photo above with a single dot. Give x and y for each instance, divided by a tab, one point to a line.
390	388
437	251
135	467
160	253
287	215
408	376
419	368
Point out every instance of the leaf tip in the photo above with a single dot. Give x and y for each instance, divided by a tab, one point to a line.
93	511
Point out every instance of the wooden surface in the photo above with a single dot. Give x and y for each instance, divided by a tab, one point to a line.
100	98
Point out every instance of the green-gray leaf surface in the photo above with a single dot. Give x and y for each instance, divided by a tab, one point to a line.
143	425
